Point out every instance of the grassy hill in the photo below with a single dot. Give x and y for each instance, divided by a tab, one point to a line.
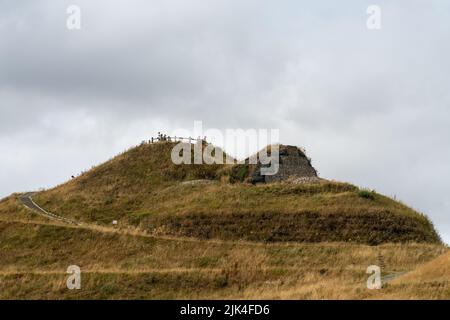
192	231
143	188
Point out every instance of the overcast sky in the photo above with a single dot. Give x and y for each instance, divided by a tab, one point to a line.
371	107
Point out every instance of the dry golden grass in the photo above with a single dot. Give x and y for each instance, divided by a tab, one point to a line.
124	266
429	281
435	270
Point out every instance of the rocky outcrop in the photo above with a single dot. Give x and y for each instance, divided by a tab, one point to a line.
294	164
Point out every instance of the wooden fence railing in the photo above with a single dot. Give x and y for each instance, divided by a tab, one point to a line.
162	137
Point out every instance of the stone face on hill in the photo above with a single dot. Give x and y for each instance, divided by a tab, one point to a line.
293	164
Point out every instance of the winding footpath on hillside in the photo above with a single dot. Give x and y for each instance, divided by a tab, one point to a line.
28	202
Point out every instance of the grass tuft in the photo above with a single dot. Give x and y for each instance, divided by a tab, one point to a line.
366	194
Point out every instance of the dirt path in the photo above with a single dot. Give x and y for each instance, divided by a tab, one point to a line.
392	276
28	202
